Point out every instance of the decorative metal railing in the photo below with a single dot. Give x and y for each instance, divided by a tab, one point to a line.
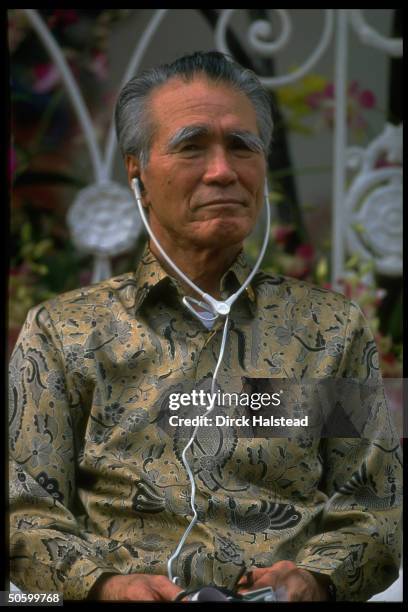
103	219
367	214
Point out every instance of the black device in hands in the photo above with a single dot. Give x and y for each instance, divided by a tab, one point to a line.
212	593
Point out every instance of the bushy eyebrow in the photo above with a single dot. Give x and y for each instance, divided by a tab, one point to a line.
189	132
186	133
253	142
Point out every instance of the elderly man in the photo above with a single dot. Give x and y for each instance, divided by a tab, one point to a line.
100	496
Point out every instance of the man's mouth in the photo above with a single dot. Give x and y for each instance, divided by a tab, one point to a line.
223	202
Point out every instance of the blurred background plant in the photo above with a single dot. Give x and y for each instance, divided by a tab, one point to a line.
49	162
48	158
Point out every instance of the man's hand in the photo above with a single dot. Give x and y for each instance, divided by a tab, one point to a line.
292	582
134	587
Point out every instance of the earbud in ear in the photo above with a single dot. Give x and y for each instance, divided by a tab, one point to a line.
138	184
138	188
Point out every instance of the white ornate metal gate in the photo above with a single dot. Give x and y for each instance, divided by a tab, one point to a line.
374	198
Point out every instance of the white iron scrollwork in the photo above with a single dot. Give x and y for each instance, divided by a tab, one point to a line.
103	219
380	239
371	37
374	202
262	29
104	223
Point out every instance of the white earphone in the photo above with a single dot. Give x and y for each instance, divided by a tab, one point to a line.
217	308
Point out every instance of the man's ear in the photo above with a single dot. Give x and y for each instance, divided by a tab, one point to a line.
132	167
133	171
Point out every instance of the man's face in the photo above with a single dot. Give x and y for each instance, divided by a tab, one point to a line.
205	176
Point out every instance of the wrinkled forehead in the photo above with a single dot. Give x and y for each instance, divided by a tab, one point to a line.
179	103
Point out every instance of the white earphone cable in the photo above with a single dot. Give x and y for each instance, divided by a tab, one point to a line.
218	308
187	466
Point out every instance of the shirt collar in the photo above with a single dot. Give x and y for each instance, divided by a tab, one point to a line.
150	274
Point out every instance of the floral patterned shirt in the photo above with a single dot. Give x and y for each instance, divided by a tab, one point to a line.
98	485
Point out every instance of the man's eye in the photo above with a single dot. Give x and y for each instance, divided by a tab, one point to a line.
190	147
240	146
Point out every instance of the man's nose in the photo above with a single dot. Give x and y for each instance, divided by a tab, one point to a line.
219	168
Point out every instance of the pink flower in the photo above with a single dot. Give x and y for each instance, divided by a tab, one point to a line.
314	100
383	162
67	16
305	251
367	99
389	358
99	65
21	270
47	77
329	91
63	17
282	233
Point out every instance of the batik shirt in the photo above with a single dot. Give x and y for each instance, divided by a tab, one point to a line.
97	483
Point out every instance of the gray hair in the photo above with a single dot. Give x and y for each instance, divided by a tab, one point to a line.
134	125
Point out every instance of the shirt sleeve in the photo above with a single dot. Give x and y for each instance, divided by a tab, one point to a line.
49	552
358	539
